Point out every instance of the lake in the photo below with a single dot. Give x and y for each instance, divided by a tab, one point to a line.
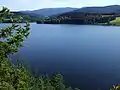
87	56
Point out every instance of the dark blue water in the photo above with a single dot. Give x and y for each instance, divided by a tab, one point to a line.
87	56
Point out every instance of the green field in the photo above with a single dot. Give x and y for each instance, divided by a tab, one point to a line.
116	21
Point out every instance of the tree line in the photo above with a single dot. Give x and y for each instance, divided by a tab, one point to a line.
81	18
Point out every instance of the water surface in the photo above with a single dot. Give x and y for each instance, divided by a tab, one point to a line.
87	56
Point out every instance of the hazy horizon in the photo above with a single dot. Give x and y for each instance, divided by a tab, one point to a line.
39	4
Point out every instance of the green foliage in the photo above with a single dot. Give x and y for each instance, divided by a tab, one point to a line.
27	17
18	78
15	77
11	37
80	18
115	87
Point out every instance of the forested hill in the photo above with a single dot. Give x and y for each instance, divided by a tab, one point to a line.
50	11
36	15
87	15
27	17
106	9
113	9
58	11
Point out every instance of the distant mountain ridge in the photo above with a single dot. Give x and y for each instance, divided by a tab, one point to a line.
36	15
86	15
59	11
105	9
50	11
109	10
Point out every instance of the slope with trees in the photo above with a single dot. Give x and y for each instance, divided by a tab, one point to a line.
86	15
49	11
79	18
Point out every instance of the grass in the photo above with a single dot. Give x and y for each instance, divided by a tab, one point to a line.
116	21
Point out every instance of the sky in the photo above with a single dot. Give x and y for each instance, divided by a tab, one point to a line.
16	5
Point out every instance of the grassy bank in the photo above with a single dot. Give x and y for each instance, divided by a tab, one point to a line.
116	22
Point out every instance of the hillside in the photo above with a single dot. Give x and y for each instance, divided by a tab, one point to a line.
116	21
27	17
106	9
49	11
86	15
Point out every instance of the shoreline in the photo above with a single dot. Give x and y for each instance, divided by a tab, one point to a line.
81	24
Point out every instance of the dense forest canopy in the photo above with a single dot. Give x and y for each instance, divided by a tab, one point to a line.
80	18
